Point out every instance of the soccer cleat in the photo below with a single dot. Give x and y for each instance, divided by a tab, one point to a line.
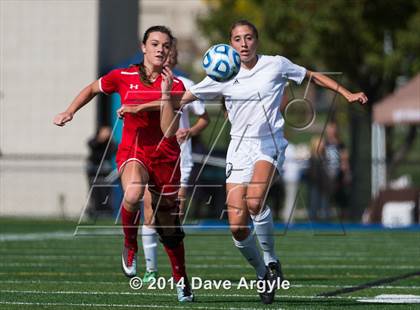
267	297
184	292
129	262
149	276
273	273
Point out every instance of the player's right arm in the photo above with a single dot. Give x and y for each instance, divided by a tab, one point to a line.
177	100
86	95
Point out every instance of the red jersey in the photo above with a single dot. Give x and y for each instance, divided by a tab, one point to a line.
127	83
142	138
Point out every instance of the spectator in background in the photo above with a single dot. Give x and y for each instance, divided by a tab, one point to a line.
319	185
99	166
291	176
337	166
291	170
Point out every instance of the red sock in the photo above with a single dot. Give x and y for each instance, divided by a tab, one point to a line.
130	222
177	258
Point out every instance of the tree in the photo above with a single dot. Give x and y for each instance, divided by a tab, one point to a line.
371	41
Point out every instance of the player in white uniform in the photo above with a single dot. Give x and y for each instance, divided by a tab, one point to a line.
184	134
257	146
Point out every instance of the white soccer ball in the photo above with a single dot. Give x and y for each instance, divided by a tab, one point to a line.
221	62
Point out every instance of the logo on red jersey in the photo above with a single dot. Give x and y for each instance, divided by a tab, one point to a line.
134	86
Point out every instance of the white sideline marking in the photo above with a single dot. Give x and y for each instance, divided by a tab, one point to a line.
133	293
228	255
83	255
215	266
210	266
252	294
59	282
384	298
72	273
235	257
393	299
36	236
233	284
112	305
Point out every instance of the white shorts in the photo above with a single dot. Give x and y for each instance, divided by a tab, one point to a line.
243	153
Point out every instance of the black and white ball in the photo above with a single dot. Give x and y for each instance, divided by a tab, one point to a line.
221	62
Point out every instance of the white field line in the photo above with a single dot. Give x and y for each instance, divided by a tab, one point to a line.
347	286
70	257
148	306
211	255
58	235
251	294
209	266
392	299
101	273
109	231
229	266
83	255
233	284
220	275
192	254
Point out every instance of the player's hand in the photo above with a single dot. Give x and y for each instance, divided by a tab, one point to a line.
124	109
357	97
62	118
167	80
182	134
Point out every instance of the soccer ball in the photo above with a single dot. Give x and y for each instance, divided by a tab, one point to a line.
221	62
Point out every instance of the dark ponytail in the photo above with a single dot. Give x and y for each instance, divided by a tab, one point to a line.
142	69
143	75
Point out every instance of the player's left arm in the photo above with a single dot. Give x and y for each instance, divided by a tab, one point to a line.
326	82
201	124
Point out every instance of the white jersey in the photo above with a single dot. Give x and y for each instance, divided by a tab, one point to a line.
196	107
253	97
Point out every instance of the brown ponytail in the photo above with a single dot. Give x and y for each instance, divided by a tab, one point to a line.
143	75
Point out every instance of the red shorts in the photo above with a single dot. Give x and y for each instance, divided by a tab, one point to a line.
161	163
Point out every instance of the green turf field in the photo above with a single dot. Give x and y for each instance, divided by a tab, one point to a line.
42	266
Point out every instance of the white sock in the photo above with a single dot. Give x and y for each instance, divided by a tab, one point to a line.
149	239
264	229
249	250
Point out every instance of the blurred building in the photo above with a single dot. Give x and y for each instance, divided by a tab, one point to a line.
180	16
48	53
49	50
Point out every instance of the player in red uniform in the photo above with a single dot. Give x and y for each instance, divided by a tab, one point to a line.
148	154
